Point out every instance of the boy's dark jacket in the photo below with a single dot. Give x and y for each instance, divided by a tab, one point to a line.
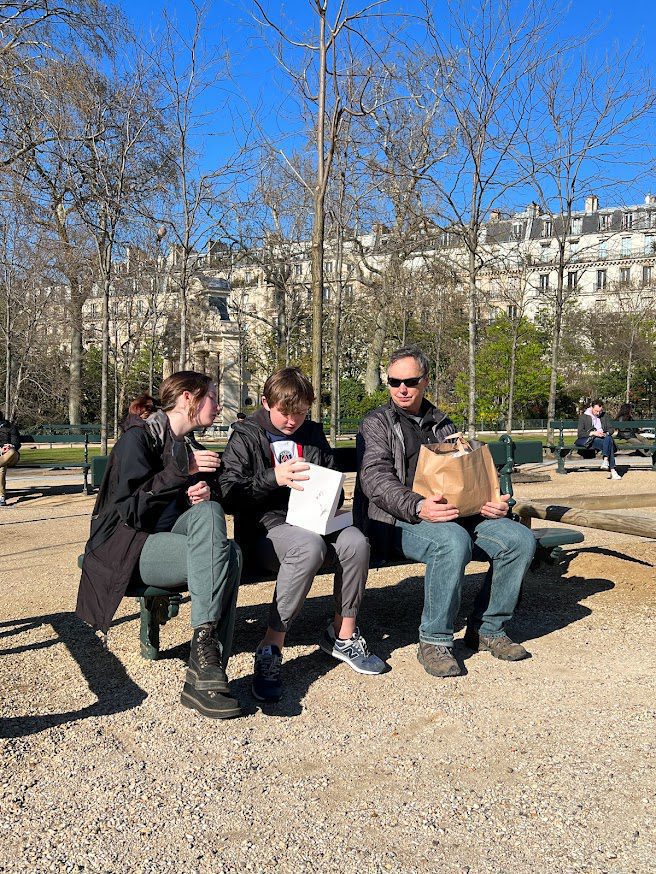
147	470
248	480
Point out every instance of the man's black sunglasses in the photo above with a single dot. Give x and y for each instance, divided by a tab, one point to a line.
409	382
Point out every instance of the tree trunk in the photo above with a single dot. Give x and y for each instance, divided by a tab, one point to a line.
629	364
511	377
471	406
375	352
555	350
8	361
104	375
75	362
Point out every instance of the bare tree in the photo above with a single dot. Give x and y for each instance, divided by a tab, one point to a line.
484	68
591	117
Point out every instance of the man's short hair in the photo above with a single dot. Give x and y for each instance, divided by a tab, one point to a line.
289	390
597	403
411	351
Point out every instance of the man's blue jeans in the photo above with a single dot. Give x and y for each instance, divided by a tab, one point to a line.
604	445
446	548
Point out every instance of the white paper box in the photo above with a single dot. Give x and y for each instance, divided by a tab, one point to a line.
315	508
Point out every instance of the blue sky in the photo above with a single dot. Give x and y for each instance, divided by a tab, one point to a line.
229	27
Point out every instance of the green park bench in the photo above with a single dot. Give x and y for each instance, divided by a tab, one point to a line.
157	606
563	452
52	440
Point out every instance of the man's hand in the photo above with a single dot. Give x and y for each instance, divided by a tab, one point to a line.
599	433
496	509
290	472
436	509
200	491
204	461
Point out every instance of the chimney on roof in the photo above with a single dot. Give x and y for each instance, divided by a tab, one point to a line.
650	199
591	204
495	215
533	209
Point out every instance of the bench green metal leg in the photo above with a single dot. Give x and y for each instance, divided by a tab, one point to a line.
155	611
149	632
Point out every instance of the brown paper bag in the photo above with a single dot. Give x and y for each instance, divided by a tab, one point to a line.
461	470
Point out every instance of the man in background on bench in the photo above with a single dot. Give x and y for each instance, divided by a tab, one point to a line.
594	433
9	445
429	530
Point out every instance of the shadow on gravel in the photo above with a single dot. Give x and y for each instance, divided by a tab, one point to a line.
550	602
612	553
106	677
23	495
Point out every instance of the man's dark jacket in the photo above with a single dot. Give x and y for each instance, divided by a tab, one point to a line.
147	470
586	426
9	434
248	479
382	493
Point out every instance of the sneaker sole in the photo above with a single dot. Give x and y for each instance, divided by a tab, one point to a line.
346	661
192	704
265	700
205	685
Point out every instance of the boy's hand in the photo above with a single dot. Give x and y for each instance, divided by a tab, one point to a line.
436	509
496	509
290	472
204	461
200	491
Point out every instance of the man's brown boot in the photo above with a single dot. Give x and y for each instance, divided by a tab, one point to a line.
501	647
438	660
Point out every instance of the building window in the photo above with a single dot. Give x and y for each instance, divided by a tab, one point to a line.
444	239
544	282
625	251
298	269
601	280
94	310
140	307
577	225
573	279
627	220
574	250
547	228
328	267
650	245
625	276
602	252
517	231
646	275
512	311
244	300
545	253
604	222
348	292
652	219
326	292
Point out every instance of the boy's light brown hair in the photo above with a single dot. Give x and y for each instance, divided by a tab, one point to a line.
289	390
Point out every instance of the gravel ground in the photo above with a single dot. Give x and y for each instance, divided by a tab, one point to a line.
543	764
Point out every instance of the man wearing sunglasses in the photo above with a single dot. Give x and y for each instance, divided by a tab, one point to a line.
429	530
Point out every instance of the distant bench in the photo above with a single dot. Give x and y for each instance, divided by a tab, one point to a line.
58	440
157	605
563	452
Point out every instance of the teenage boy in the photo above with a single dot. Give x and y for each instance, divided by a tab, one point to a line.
266	457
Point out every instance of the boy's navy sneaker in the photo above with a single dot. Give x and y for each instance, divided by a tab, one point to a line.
267	681
353	651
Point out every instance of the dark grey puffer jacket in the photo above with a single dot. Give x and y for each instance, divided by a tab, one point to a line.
381	494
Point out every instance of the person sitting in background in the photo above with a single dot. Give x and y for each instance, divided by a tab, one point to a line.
9	455
631	435
241	417
140	408
594	433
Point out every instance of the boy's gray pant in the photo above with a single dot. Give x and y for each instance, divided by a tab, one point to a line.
298	555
